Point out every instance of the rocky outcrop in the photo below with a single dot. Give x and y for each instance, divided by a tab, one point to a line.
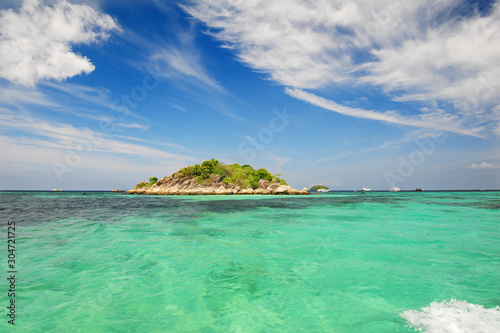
263	184
178	184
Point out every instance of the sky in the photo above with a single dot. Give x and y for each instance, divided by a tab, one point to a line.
103	94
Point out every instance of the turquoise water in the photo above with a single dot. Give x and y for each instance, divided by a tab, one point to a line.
342	262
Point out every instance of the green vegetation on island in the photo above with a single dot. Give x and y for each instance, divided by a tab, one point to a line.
238	175
152	181
213	171
318	187
214	178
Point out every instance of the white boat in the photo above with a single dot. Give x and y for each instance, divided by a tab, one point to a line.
323	190
364	189
395	189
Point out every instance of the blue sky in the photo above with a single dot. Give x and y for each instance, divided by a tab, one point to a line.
103	94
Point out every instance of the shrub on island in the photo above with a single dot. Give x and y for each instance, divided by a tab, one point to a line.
213	177
235	174
318	187
152	181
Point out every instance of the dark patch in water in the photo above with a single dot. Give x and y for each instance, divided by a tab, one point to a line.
212	232
492	205
39	208
476	204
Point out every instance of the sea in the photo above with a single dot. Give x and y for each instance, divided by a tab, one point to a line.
332	262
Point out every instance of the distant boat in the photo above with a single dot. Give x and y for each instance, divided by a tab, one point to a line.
418	189
56	190
364	189
323	190
395	189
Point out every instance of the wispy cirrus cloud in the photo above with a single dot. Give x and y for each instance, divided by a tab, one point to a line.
157	143
35	41
182	64
134	125
63	137
33	162
392	144
444	53
179	60
17	96
388	116
77	100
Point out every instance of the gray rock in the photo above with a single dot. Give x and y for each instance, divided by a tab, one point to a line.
263	184
273	187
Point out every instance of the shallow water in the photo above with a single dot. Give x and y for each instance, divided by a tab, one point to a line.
341	262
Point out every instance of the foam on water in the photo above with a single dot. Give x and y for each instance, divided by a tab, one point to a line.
454	317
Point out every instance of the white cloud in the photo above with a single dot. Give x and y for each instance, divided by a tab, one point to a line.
16	96
307	44
35	42
416	50
134	125
482	165
63	137
185	68
389	116
182	64
456	61
157	143
287	40
33	162
96	95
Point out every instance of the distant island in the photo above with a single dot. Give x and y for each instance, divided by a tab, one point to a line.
319	187
213	177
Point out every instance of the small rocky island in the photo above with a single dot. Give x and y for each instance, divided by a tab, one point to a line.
212	177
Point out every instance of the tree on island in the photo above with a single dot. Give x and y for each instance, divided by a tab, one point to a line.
238	175
318	187
152	181
212	171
